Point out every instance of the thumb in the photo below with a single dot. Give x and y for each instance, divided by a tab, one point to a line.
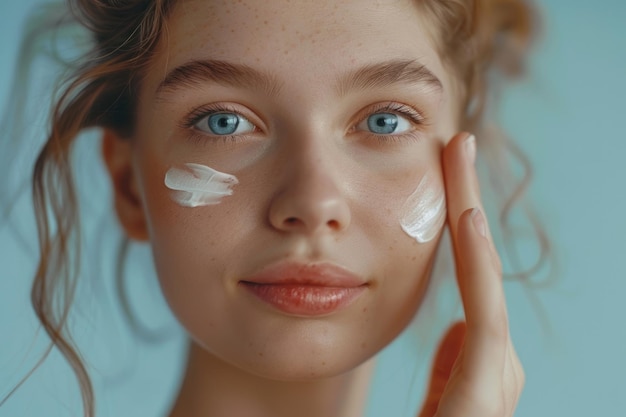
447	353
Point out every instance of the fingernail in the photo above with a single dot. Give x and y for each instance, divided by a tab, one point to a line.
479	222
470	148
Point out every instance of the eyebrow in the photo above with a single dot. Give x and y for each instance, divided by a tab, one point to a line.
197	72
370	76
386	74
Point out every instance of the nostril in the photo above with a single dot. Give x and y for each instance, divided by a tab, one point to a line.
333	224
295	221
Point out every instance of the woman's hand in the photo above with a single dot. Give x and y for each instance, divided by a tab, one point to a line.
476	372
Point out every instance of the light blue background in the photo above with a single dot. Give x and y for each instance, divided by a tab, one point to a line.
568	118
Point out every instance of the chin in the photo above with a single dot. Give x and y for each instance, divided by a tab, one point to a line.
307	351
301	369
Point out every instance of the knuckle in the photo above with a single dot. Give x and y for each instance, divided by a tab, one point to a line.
497	265
492	407
485	402
498	328
476	399
521	374
495	260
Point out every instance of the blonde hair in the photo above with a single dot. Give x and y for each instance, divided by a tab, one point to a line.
476	38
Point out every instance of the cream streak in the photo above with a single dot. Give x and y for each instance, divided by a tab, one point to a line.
424	212
197	185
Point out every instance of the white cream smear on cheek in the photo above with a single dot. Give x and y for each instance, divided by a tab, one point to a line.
424	212
198	185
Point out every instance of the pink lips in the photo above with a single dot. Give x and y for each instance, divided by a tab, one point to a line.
305	290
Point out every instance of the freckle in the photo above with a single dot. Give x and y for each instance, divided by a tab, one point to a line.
261	354
414	258
265	22
390	248
363	345
323	363
365	309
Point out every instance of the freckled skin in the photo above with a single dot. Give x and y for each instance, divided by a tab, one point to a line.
316	57
344	188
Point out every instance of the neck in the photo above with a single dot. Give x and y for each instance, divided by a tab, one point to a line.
213	388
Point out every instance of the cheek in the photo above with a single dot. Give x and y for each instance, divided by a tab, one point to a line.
424	212
192	240
184	206
411	202
416	224
404	279
195	185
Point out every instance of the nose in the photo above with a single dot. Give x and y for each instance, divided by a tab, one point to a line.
310	199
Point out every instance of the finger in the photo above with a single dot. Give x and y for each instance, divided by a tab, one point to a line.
462	187
447	354
478	275
514	377
460	179
482	294
463	194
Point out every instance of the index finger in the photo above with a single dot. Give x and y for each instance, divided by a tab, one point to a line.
462	189
478	271
462	194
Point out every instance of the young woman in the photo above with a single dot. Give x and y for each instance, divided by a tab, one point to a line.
292	166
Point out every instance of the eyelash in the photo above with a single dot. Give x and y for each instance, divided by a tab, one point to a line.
193	118
415	117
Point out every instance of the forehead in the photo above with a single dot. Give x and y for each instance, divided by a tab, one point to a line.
304	41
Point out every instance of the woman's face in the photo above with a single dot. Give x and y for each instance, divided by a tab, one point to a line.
330	115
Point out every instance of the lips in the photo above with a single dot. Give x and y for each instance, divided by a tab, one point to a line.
305	289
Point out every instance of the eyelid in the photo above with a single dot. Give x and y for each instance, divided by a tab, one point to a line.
199	113
414	116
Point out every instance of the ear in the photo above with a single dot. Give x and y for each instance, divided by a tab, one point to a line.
118	158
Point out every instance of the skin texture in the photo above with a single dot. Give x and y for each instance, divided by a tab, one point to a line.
424	211
314	186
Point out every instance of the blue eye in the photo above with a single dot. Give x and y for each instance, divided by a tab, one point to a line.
385	124
222	124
